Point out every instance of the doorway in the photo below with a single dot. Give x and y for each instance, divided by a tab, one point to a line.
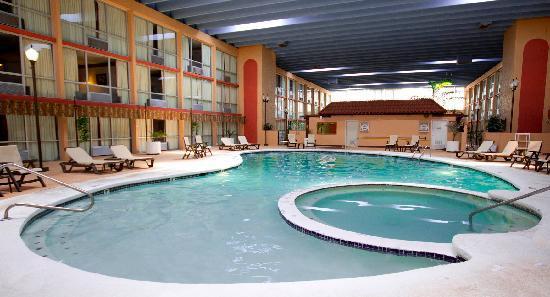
352	134
439	134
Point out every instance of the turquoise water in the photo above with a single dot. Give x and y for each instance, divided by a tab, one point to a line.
225	227
409	213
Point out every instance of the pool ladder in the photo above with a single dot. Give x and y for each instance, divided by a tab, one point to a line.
50	207
505	202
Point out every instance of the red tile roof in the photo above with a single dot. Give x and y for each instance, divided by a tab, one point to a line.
381	107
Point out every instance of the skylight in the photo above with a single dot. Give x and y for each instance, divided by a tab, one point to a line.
393	72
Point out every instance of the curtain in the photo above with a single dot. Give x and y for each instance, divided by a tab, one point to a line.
219	98
116	26
140	131
206	94
206	57
36	22
196	89
71	14
170	88
105	131
141	38
143	84
71	72
120	128
172	134
187	92
94	131
45	83
16	130
122	80
27	132
89	17
206	132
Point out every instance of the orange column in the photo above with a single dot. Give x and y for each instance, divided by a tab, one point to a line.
132	79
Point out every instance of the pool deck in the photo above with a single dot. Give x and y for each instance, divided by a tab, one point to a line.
504	264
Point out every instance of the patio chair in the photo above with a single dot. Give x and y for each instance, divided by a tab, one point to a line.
309	141
10	154
122	152
506	153
540	162
80	158
292	140
392	143
189	149
532	154
485	147
204	145
412	145
230	144
248	145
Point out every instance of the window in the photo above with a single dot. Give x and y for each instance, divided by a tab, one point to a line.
482	99
490	98
226	99
497	93
196	57
197	94
20	130
476	102
103	132
94	24
309	102
291	89
15	69
201	128
226	67
281	86
157	87
30	15
95	77
315	102
155	43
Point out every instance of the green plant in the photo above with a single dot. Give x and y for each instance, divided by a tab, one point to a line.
194	128
230	133
496	124
268	126
158	135
297	125
439	84
83	129
475	137
457	126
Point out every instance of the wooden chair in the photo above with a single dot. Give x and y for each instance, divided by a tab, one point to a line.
80	158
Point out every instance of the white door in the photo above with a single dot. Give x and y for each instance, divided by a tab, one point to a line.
352	132
439	134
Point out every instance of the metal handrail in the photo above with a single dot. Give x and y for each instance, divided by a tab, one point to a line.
90	195
505	202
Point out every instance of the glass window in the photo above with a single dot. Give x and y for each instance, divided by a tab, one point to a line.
157	87
226	97
197	93
94	24
94	77
15	69
226	67
20	130
497	93
231	131
196	57
482	99
30	15
155	43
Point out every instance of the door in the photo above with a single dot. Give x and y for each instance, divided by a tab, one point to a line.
439	134
352	132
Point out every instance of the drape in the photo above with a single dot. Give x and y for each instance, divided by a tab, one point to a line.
45	83
71	15
70	70
122	80
36	22
22	132
105	131
206	57
120	129
116	26
172	134
140	131
144	87
142	38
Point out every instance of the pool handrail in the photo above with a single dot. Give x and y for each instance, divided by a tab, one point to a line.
505	202
50	207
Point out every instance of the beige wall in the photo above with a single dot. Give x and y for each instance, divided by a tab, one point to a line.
501	139
380	127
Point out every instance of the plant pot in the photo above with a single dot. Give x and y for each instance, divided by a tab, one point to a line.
453	146
153	148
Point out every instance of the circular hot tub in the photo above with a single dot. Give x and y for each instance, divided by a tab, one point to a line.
408	212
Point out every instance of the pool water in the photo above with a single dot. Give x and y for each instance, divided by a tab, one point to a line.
409	213
225	227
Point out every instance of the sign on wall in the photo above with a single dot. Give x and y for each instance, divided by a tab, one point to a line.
364	127
326	128
424	127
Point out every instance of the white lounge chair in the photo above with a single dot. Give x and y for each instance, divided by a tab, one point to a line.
292	140
309	141
412	145
531	155
80	158
506	153
10	154
392	143
229	143
194	149
485	147
248	145
204	145
122	152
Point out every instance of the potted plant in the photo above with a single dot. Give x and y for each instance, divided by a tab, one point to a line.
496	124
160	136
155	147
455	127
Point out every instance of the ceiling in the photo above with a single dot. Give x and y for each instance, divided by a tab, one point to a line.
388	42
